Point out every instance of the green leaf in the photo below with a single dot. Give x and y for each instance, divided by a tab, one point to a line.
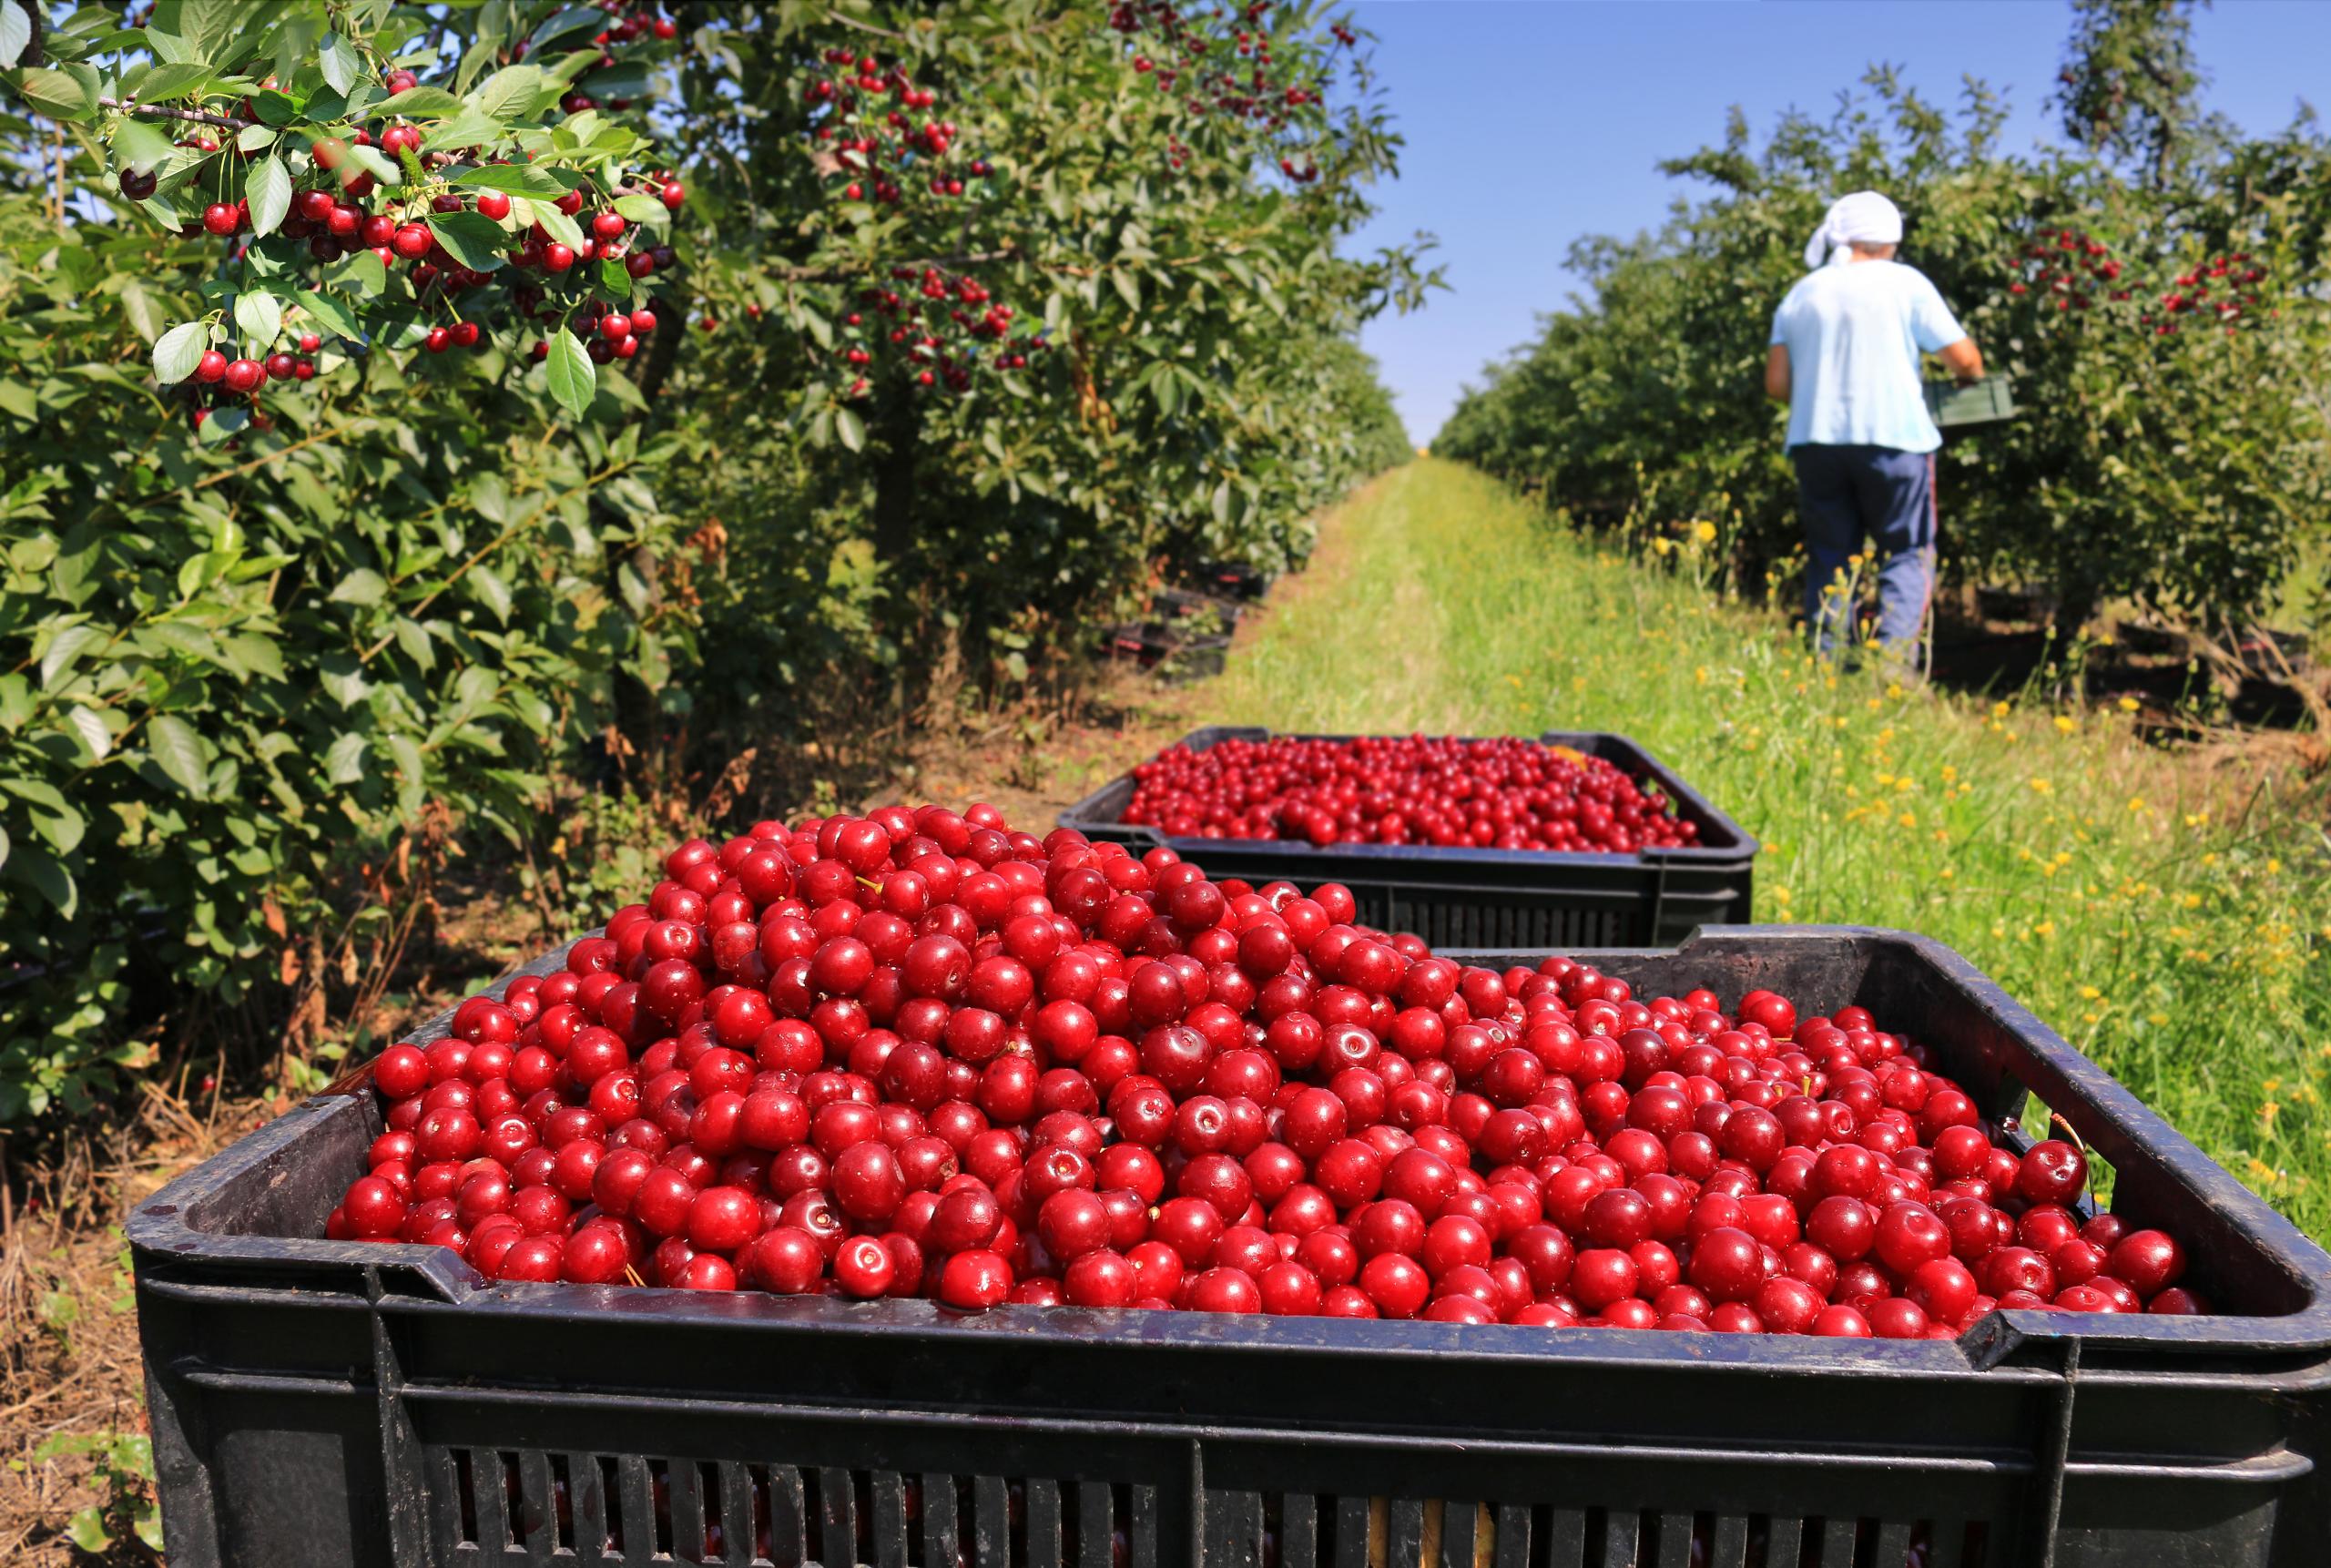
1128	289
260	316
557	224
92	731
643	210
413	637
63	649
472	239
165	83
45	874
512	179
56	94
363	272
268	188
376	163
328	313
179	351
408	759
209	28
572	377
424	104
176	750
471	127
634	588
87	1529
255	655
138	307
16	32
344	762
226	422
339	62
343	678
509	91
574	19
138	145
362	586
491	592
851	428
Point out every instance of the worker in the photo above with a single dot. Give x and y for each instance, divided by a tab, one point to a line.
1845	357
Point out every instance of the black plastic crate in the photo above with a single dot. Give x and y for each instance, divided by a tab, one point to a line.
1179	608
1235	579
1171	653
1510	899
321	1403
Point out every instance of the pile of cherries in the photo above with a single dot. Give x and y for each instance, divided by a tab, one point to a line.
1502	794
916	1054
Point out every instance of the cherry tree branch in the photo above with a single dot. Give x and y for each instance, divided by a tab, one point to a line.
156	112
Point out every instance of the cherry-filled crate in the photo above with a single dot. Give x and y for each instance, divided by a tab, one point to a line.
1466	896
325	1402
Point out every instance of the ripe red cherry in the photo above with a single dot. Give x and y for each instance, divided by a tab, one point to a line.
221	219
974	1281
1727	1263
786	1260
2053	1171
722	1219
1101	1279
1398	1285
494	204
244	375
865	1267
2150	1262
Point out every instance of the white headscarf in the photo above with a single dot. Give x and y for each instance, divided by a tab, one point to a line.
1865	216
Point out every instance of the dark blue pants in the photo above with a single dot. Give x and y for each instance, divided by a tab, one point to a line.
1848	494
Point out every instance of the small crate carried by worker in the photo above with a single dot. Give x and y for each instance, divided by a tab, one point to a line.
1985	402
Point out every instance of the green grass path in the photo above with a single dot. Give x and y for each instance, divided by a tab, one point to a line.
2171	917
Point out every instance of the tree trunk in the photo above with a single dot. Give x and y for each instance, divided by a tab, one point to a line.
898	430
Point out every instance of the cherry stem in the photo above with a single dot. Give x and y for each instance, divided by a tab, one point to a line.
156	112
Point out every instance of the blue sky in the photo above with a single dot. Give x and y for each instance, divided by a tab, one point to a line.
1532	122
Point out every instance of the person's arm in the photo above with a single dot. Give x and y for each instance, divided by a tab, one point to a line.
1962	359
1777	376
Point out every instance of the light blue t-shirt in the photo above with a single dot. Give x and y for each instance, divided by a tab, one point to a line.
1854	334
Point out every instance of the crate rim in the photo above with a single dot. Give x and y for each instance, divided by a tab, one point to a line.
158	1230
1742	851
